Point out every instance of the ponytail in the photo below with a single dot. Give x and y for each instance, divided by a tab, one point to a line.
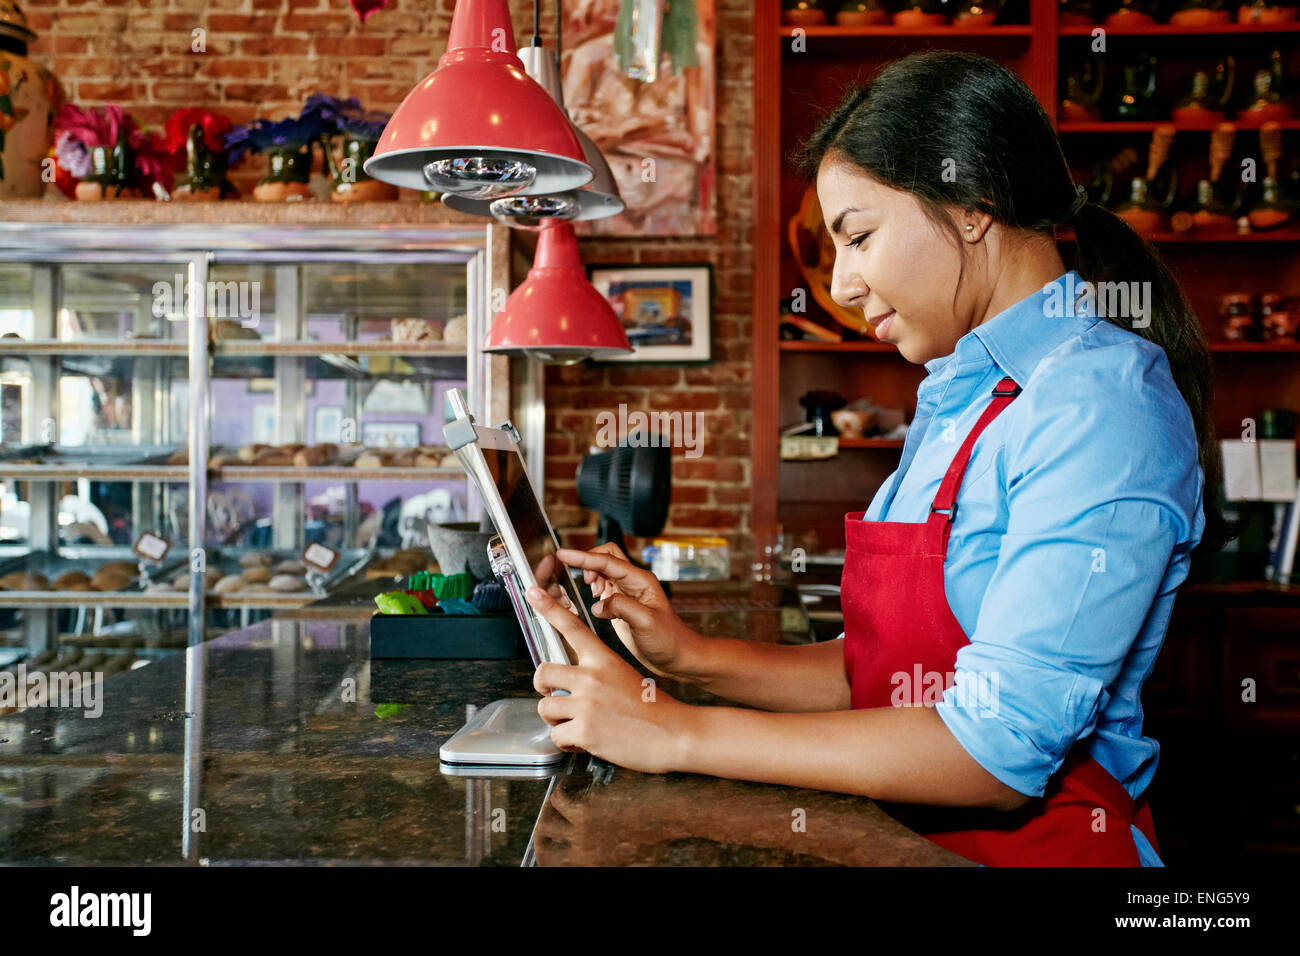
1109	247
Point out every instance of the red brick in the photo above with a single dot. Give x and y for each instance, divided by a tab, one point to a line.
281	47
692	517
644	375
351	45
241	23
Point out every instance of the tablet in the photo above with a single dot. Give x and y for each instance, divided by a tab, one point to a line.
523	552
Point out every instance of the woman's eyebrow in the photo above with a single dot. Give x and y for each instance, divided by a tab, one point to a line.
839	220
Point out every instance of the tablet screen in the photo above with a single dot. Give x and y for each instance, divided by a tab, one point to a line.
530	524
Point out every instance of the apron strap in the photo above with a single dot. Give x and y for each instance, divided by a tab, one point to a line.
944	508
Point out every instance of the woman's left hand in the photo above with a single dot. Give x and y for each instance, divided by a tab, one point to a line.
611	711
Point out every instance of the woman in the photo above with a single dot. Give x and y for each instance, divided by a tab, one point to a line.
1014	577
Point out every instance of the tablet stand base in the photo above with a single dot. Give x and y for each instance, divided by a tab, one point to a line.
505	733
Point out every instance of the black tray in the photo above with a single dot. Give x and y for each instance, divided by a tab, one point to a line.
439	636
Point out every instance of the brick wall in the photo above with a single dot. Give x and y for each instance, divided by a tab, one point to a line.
264	57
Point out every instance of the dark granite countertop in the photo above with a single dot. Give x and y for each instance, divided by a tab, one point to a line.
264	746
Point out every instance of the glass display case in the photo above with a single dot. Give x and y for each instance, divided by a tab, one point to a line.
321	355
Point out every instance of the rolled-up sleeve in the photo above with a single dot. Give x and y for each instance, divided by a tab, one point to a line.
1096	467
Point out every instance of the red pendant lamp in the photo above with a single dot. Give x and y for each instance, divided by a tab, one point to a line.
556	314
479	125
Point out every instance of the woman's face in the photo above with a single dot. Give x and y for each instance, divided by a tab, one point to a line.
894	263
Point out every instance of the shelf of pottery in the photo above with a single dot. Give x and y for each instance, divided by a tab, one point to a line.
324	358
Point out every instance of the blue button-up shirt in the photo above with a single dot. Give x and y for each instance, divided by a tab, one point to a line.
1075	522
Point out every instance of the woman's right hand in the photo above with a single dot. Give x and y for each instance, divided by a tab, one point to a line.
633	598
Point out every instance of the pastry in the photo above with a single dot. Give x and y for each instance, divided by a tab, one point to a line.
456	331
181	457
224	330
369	459
229	584
109	579
217	462
312	457
256	575
290	567
256	559
25	581
71	581
274	457
249	452
287	582
416	330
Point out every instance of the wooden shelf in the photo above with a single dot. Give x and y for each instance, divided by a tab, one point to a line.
130	347
177	474
889	30
1177	238
337	473
314	347
1165	29
126	212
1281	347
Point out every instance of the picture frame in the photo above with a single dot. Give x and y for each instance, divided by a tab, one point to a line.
666	309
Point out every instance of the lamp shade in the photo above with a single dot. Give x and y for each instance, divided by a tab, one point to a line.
596	200
480	104
556	314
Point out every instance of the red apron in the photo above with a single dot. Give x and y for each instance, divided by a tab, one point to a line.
897	622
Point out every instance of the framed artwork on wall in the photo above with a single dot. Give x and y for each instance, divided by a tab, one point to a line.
666	310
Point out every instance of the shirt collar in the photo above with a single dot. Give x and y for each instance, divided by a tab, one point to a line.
1018	337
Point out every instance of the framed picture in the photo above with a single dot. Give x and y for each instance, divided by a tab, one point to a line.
329	423
666	310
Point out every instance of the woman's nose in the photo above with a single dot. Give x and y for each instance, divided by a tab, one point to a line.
847	287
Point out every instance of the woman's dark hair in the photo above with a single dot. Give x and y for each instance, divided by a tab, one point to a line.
945	110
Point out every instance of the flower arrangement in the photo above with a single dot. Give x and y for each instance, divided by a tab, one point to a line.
195	140
103	154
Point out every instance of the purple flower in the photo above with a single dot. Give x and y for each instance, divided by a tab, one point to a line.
365	125
72	155
329	111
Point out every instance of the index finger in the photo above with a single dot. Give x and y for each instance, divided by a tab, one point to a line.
629	577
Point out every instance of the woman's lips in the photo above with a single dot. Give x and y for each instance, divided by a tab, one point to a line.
881	323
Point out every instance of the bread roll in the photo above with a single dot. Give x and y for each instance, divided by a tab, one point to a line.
256	575
287	582
25	581
249	452
228	585
256	559
290	567
275	458
312	457
71	581
369	460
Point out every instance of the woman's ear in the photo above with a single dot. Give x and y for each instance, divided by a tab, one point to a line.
974	224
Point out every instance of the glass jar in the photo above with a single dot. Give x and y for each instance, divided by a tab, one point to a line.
862	13
1236	312
1200	13
688	558
802	13
1278	317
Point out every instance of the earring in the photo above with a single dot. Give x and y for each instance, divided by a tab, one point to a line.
969	227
